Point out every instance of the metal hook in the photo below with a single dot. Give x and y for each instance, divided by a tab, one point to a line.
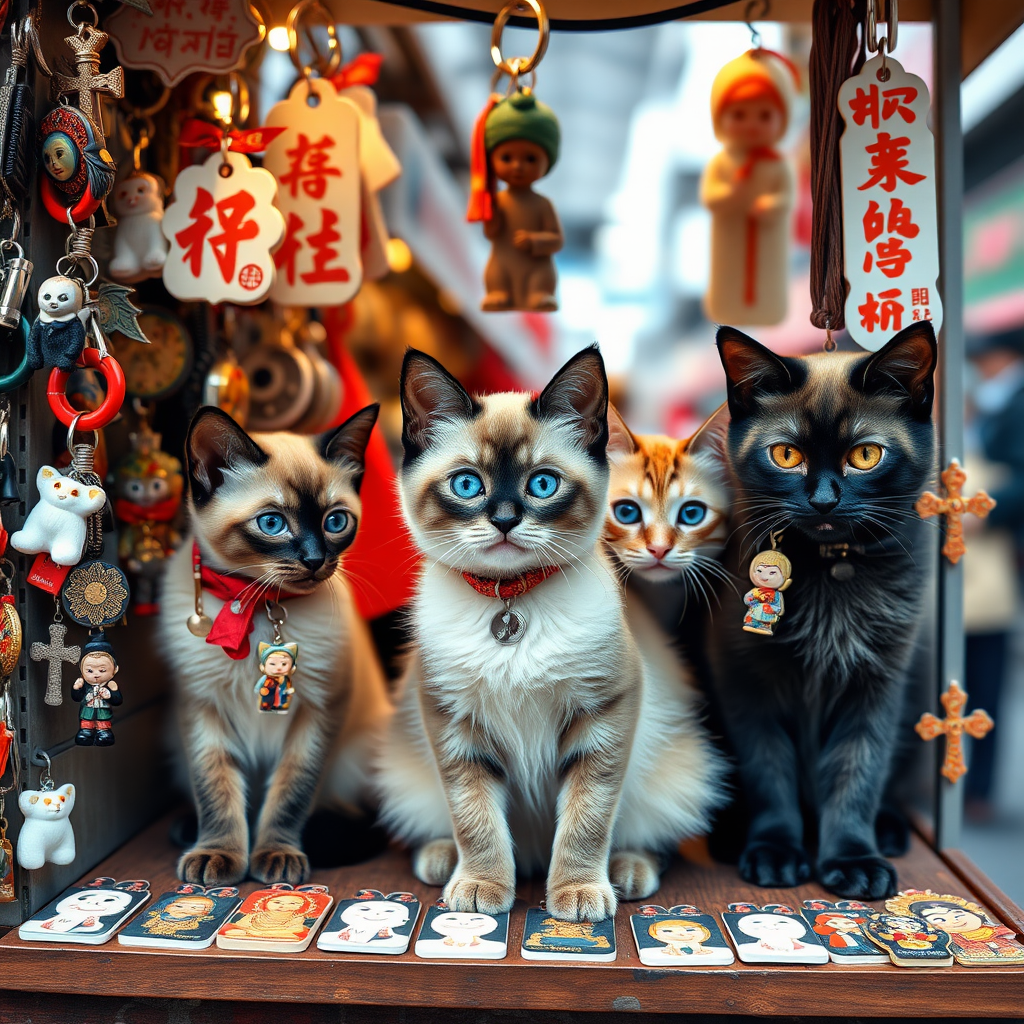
748	18
520	65
45	778
324	66
888	42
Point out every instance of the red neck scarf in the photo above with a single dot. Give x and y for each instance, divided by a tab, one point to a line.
233	624
515	586
132	514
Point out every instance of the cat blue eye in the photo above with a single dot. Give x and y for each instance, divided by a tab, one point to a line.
466	485
273	524
627	512
336	522
692	513
542	485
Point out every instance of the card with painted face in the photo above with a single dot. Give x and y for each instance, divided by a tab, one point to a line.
909	940
838	927
449	935
681	936
547	938
88	914
279	918
187	918
772	934
974	938
371	922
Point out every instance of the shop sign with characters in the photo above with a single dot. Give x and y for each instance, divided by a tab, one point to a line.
889	221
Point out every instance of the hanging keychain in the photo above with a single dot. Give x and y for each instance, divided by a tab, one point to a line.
278	661
46	835
516	140
8	756
771	573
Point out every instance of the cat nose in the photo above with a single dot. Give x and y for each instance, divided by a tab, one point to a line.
312	562
506	517
658	550
825	497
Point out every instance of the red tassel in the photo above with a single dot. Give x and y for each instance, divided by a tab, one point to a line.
481	182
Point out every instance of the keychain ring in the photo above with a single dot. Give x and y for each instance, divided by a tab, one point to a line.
86	7
112	374
72	430
520	65
324	66
21	373
82	210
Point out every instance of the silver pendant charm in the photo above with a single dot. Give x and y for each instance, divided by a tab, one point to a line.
843	571
508	626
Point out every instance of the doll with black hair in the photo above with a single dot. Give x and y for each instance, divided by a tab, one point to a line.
97	692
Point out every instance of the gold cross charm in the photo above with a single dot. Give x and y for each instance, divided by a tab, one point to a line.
954	506
954	725
86	79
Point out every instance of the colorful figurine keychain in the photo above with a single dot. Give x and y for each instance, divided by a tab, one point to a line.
8	756
277	663
771	572
97	691
516	140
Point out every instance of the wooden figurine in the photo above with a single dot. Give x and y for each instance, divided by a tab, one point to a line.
97	692
772	934
680	936
771	572
187	918
909	940
87	914
462	936
748	188
46	836
372	923
975	939
838	927
516	141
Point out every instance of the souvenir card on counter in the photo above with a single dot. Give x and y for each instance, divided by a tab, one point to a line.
371	922
838	927
680	936
974	938
909	940
547	938
772	934
279	918
88	914
449	935
187	918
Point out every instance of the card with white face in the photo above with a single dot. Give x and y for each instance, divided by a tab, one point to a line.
371	922
87	914
773	934
462	936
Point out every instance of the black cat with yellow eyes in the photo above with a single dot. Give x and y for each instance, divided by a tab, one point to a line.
832	451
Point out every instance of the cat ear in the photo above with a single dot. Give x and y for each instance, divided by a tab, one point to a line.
429	392
710	435
750	370
348	443
579	391
215	442
620	437
904	367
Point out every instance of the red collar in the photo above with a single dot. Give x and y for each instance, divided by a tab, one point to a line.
233	624
514	586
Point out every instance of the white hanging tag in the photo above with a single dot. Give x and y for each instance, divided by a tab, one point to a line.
890	230
222	231
316	164
377	161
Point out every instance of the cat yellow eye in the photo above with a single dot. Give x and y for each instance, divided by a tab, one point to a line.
865	456
786	455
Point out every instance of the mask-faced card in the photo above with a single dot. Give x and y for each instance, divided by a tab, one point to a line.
187	918
547	938
371	922
910	941
278	918
974	938
838	927
89	913
679	937
450	935
772	934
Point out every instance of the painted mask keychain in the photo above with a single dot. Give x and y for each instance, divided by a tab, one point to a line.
516	140
278	661
46	835
771	573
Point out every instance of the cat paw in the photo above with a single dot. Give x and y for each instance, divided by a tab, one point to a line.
207	866
634	875
774	865
434	862
858	878
279	864
892	833
477	896
586	901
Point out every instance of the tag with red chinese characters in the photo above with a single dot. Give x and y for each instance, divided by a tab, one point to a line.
222	231
316	164
889	221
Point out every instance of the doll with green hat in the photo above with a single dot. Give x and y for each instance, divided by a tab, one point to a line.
516	140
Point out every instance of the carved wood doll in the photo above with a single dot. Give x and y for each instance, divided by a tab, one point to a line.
516	141
748	187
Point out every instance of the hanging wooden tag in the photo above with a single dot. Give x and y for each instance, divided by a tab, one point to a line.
222	230
316	164
890	231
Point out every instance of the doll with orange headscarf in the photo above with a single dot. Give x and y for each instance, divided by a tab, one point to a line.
748	187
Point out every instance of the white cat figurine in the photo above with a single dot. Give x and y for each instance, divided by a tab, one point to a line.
46	836
57	524
140	248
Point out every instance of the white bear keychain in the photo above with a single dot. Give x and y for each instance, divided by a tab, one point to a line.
46	836
58	525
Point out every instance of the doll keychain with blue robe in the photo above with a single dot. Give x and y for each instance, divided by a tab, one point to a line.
771	572
278	662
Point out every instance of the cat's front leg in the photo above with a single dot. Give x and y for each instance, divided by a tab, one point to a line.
221	852
277	854
594	752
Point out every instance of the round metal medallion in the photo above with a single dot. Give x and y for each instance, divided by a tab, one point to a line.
96	594
508	626
843	571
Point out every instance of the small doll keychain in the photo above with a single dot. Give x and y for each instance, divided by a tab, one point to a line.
771	572
96	690
516	140
278	661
